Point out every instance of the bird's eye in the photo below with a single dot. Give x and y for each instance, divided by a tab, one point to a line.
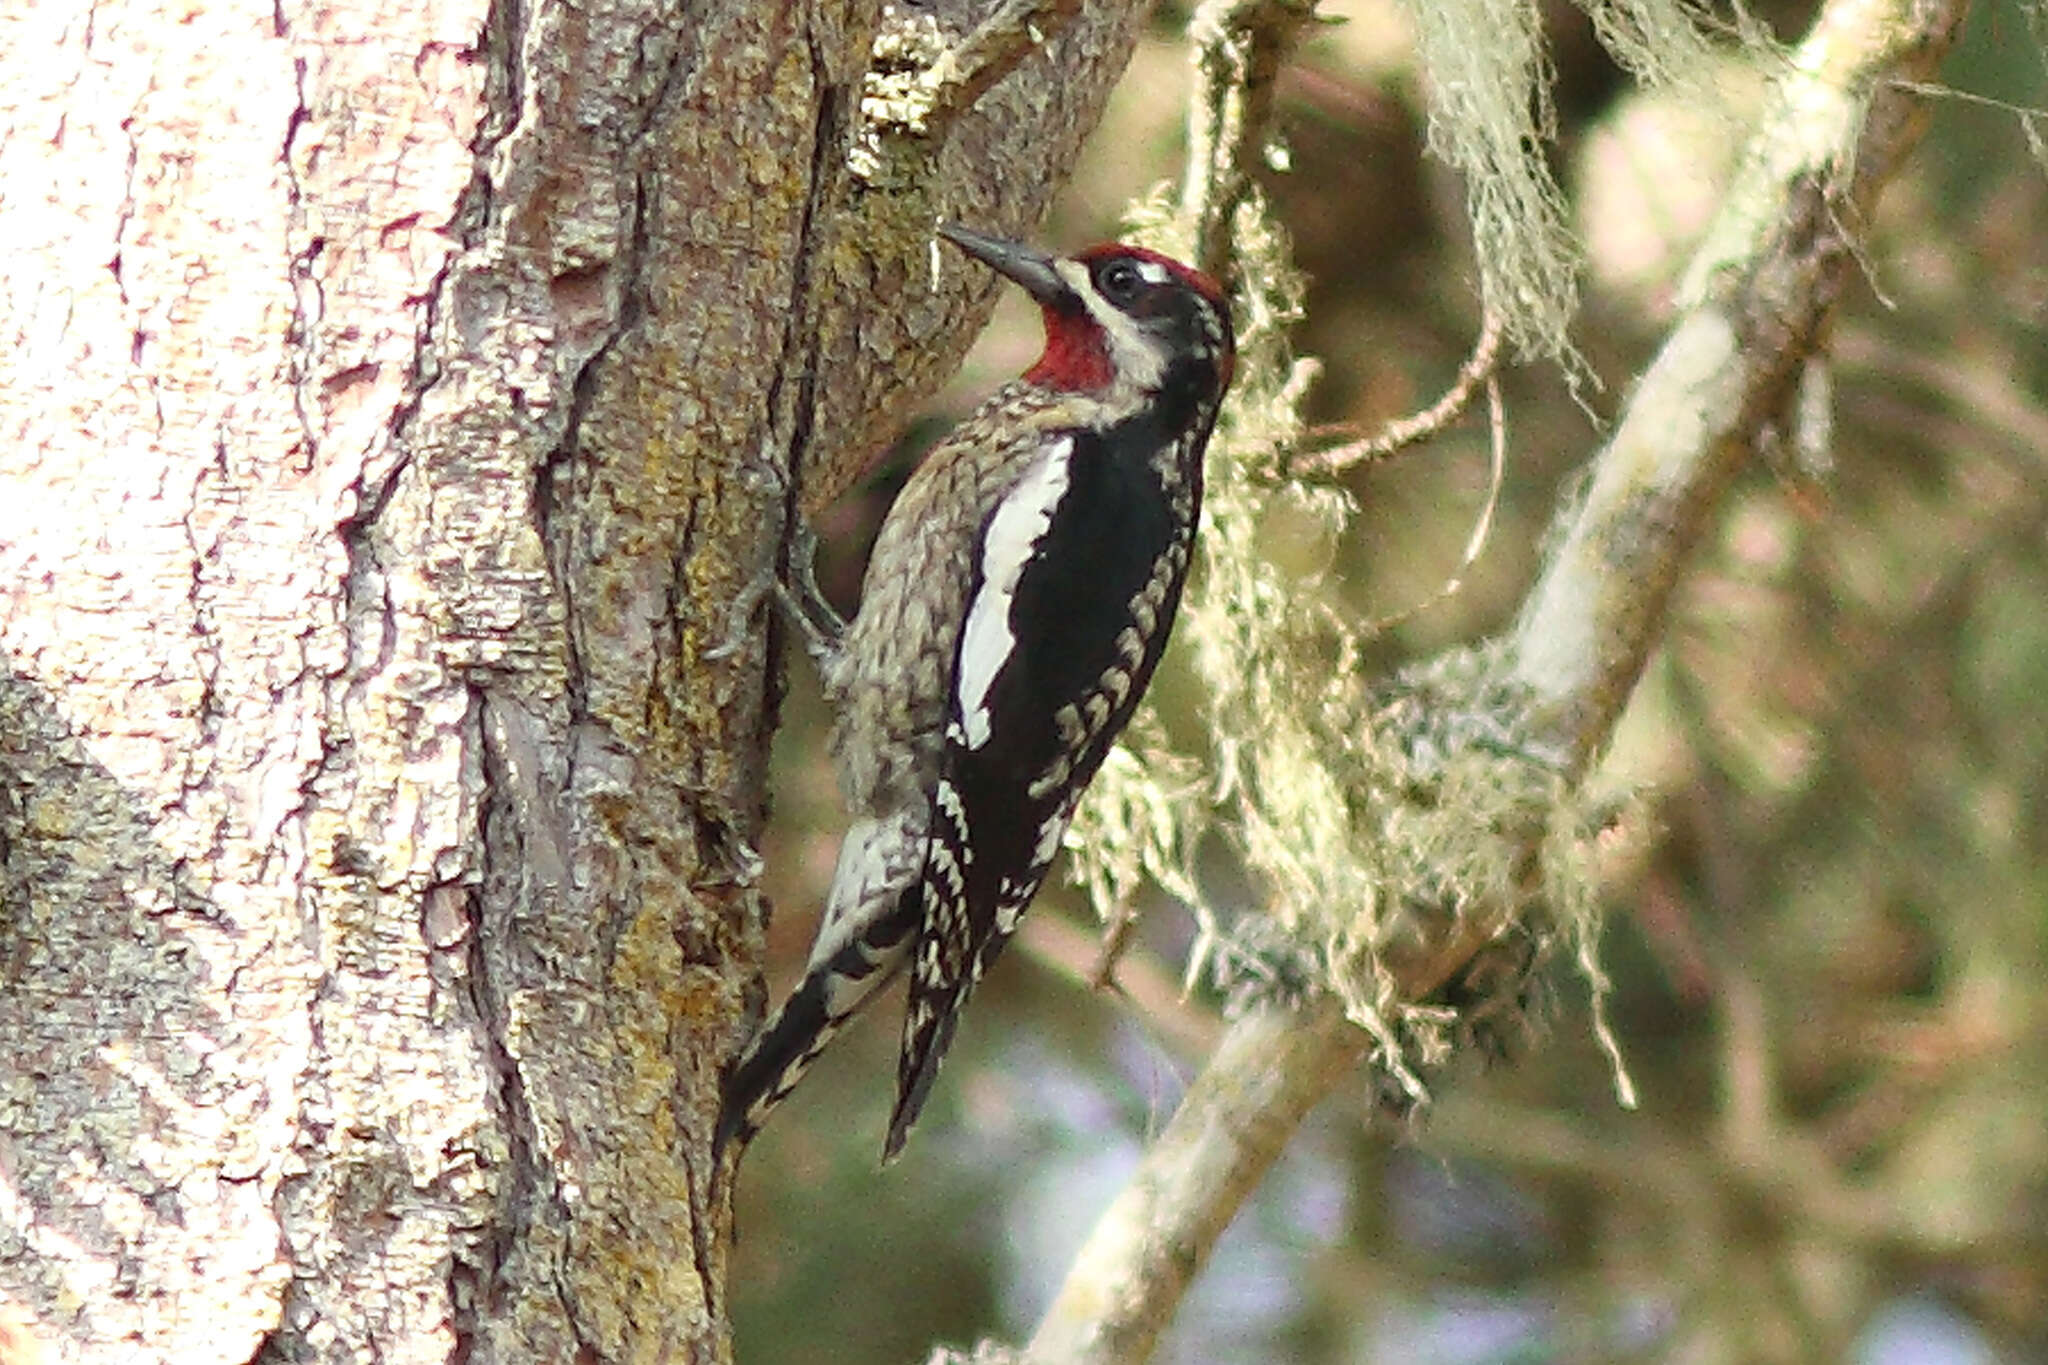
1120	282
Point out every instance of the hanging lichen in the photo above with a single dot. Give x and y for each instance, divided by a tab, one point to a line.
1408	850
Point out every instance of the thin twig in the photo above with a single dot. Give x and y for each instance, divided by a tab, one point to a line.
1398	435
1796	1177
965	71
1239	48
1116	937
1482	528
1150	985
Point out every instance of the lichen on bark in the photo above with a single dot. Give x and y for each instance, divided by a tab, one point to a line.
376	832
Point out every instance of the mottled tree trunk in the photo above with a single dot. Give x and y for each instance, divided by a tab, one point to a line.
395	399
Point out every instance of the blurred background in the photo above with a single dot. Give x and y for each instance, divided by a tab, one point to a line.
1829	943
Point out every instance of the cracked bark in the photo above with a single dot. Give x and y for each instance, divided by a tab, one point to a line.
400	395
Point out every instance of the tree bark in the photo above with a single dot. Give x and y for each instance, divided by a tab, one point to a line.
399	397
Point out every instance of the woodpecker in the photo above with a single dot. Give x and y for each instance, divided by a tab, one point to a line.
1018	597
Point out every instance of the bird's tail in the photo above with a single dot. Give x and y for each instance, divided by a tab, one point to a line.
939	988
831	993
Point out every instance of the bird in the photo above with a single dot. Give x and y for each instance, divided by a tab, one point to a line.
1018	597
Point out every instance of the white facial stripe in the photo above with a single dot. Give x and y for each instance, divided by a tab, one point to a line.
1076	276
986	641
1134	357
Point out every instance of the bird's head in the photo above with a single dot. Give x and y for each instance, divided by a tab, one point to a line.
1117	317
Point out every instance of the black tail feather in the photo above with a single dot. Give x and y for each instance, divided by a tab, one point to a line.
801	1028
929	1022
772	1065
916	1070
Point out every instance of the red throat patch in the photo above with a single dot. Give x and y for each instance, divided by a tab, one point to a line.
1076	357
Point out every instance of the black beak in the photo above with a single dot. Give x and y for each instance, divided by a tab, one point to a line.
1027	265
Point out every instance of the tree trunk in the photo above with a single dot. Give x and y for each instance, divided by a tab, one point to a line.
398	397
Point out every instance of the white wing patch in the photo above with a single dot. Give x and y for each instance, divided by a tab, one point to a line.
1019	523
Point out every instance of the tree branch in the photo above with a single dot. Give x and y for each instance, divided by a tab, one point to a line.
1759	292
1398	435
1272	1066
965	72
1239	45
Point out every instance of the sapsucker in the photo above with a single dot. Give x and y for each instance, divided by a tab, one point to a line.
1018	597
